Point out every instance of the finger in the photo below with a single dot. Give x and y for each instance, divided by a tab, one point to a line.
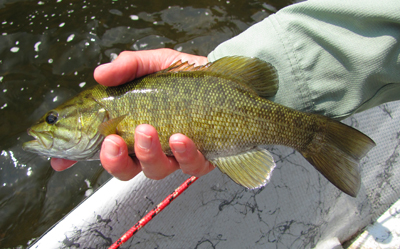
128	66
190	160
115	159
155	164
133	64
59	164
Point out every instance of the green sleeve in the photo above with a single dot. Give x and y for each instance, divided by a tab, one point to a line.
334	57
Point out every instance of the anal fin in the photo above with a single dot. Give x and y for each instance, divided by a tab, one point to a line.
251	169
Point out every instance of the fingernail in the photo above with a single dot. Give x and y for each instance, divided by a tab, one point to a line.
111	148
143	140
178	147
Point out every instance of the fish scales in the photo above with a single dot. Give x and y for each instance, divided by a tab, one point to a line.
221	107
213	112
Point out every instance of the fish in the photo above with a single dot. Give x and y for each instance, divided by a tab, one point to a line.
222	106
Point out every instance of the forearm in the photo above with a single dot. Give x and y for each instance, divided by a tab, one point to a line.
333	57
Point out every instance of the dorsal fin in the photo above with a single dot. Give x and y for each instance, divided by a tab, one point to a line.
180	66
259	76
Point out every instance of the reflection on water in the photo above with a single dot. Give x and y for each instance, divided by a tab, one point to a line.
48	50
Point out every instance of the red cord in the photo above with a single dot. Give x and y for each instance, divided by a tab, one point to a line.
149	216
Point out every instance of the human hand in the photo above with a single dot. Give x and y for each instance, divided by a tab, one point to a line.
149	156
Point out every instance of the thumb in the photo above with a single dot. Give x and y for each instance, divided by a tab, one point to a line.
133	64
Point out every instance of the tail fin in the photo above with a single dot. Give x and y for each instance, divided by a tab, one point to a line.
336	153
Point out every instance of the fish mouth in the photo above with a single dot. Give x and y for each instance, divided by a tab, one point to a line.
42	141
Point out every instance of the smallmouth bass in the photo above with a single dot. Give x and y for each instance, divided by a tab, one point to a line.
220	106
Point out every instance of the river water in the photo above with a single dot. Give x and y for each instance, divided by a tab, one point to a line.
48	51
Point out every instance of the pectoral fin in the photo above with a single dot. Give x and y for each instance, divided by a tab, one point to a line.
110	126
250	169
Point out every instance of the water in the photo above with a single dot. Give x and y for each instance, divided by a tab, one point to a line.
48	50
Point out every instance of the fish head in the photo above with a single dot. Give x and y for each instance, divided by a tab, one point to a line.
69	131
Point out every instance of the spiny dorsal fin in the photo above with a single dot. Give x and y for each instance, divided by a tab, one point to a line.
258	76
251	169
180	66
110	126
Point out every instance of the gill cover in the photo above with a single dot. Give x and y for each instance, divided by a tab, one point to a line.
70	130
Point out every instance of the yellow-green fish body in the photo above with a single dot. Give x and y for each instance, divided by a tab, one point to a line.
221	107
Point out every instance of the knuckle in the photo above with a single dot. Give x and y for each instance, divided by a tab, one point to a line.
185	160
154	176
188	157
124	53
193	171
146	156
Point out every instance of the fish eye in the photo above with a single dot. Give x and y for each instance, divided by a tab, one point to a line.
52	118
